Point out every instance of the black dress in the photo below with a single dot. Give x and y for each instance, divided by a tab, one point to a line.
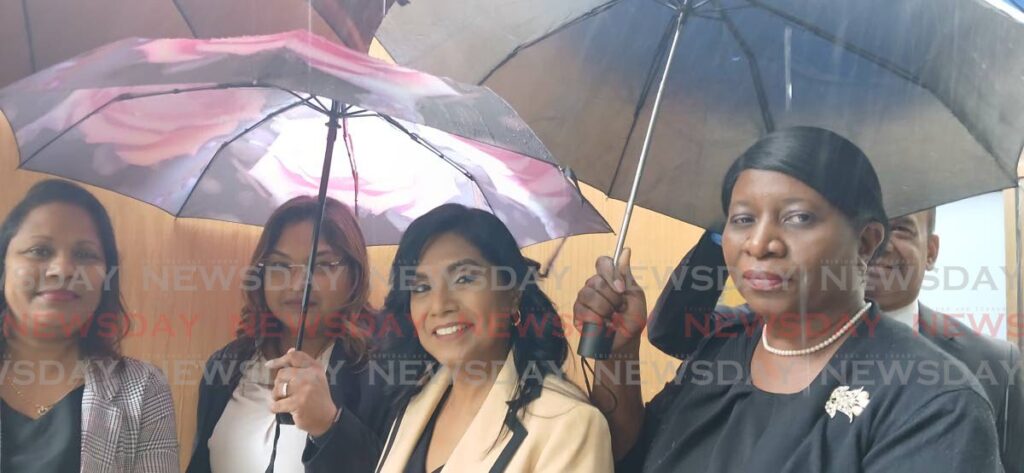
418	460
49	444
923	411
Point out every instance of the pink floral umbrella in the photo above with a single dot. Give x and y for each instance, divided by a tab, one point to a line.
229	129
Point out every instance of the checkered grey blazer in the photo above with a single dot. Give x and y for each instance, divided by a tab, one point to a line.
127	419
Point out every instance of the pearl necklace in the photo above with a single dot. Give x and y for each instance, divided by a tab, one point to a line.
806	351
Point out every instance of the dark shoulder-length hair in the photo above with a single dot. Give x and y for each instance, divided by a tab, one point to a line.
340	230
538	343
823	160
101	340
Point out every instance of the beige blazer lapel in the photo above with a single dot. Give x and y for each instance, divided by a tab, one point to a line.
412	423
473	452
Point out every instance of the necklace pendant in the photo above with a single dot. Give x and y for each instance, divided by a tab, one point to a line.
42	410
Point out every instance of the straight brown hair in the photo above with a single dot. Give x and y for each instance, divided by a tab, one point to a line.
340	230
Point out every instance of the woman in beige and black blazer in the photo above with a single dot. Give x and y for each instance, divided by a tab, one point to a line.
70	401
492	396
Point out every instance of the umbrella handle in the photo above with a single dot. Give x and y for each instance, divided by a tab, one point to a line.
596	342
285	418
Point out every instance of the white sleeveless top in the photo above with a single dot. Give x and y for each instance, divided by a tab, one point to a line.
243	438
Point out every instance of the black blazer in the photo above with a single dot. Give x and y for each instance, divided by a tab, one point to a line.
356	445
696	284
997	365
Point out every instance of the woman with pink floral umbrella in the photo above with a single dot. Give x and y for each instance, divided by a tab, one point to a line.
229	129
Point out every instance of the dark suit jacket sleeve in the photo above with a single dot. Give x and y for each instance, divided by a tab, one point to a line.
350	446
952	432
354	442
656	410
1013	451
688	300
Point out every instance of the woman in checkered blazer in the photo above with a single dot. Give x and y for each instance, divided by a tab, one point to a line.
70	401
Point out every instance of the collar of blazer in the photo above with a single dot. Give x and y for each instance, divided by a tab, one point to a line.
101	377
473	452
934	325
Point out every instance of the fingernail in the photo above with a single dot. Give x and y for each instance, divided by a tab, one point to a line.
619	285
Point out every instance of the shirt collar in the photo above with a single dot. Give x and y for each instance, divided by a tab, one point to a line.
908	315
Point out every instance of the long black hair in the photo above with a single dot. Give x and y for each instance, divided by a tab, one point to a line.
538	344
99	341
823	160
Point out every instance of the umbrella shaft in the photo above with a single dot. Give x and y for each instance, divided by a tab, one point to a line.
645	150
596	341
325	174
1019	244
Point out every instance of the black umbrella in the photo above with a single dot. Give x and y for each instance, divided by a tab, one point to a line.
932	90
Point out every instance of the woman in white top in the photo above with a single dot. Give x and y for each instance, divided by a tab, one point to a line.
253	378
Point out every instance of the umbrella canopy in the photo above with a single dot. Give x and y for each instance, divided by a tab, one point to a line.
932	90
37	34
229	129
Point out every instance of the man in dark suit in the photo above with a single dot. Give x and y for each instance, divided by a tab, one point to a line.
895	284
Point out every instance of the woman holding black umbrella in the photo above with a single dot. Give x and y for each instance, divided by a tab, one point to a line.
256	377
802	379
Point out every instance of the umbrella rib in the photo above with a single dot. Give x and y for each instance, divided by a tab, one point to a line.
667	4
361	113
755	71
307	101
884	64
652	72
515	52
353	165
28	36
321	104
227	143
188	23
821	33
725	9
426	144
